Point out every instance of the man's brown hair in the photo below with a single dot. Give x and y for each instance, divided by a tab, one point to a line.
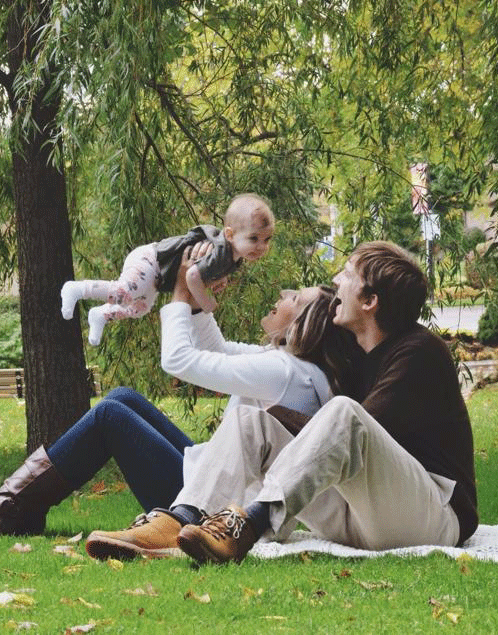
392	274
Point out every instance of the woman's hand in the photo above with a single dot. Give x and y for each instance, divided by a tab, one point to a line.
181	291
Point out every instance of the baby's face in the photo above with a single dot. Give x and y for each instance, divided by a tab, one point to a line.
251	242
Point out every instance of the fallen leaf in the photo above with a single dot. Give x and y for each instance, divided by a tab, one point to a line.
250	593
89	605
116	565
463	561
19	548
454	616
465	570
84	628
439	609
344	573
68	550
20	626
16	599
98	487
6	597
373	586
273	617
118	487
72	568
203	599
149	590
76	538
22	575
320	593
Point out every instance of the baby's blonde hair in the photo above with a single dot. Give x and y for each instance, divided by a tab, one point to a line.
248	209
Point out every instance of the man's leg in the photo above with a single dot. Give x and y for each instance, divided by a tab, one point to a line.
371	492
390	499
238	454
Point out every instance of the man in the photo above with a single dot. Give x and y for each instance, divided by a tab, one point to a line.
395	470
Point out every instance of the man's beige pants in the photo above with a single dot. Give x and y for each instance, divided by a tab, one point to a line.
343	476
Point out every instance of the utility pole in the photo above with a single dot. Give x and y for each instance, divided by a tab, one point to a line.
429	222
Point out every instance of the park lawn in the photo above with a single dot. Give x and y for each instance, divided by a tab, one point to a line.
312	593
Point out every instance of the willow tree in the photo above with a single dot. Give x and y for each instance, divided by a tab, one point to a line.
160	110
56	385
183	103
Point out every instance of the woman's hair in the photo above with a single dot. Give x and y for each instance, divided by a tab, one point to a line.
314	337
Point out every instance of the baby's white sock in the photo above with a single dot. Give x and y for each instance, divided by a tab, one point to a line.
96	322
75	290
71	292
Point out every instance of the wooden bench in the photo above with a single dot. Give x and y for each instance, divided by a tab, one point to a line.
12	382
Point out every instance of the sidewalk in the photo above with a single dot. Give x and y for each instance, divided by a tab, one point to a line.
456	318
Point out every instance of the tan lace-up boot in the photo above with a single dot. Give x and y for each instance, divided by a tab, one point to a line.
223	537
151	535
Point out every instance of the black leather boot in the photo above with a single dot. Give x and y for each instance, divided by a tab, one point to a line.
27	495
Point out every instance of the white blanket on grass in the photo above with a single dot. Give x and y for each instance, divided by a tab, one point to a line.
483	545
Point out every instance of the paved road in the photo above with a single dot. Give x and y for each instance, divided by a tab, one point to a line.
458	318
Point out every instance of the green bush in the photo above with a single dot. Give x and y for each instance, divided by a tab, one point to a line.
473	237
10	333
481	265
488	323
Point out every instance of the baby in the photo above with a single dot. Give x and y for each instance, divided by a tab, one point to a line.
247	230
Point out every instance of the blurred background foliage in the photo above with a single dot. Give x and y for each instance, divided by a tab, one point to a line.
170	108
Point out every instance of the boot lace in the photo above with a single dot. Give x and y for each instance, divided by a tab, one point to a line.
228	522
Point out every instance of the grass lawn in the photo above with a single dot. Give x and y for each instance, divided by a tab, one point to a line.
298	594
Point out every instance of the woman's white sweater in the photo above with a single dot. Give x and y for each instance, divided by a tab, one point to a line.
194	350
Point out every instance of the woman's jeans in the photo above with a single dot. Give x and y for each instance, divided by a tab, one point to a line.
147	447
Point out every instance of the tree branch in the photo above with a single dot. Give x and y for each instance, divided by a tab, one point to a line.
167	104
162	163
251	141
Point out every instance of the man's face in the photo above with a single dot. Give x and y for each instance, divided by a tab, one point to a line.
350	313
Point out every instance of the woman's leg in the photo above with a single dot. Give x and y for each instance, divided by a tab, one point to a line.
152	464
157	419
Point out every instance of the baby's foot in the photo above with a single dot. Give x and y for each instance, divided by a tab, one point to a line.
96	321
70	294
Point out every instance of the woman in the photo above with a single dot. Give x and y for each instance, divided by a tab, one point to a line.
148	448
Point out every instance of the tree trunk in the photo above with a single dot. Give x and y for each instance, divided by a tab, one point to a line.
57	390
